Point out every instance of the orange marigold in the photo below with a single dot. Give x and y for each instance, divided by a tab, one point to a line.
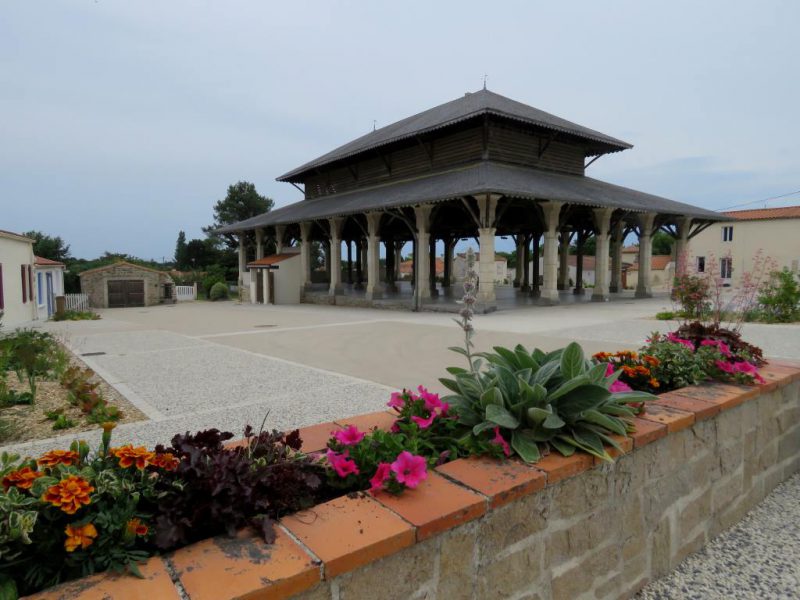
654	383
166	461
21	478
601	356
136	527
69	494
129	456
81	536
651	360
58	457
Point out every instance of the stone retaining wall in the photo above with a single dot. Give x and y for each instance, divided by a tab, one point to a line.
566	528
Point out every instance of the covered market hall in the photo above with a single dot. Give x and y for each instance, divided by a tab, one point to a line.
475	168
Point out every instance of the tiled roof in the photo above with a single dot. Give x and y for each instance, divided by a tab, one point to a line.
408	265
272	259
658	263
760	214
46	262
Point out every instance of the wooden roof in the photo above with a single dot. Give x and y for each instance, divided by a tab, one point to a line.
470	106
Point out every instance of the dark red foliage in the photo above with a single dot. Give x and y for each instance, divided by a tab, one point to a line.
696	332
218	490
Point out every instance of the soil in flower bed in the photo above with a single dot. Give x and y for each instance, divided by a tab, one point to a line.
28	422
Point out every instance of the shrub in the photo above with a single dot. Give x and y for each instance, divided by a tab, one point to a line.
77	315
677	364
82	392
219	291
779	297
692	293
32	355
666	315
698	332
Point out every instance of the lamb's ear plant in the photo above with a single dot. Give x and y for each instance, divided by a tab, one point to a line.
557	400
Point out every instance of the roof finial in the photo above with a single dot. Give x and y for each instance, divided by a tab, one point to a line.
374	124
485	77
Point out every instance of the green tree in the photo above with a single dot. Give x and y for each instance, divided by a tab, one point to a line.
200	254
242	202
662	243
47	246
181	257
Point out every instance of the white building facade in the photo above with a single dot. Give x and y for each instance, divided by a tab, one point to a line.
17	294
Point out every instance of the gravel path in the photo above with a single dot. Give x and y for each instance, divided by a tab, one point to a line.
756	559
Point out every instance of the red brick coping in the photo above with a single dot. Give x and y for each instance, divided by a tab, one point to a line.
349	532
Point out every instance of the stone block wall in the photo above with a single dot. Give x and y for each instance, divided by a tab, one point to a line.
564	528
94	283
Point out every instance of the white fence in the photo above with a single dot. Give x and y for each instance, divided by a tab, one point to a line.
186	293
77	301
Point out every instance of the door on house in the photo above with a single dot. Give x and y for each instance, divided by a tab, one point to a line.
125	292
49	292
260	286
271	286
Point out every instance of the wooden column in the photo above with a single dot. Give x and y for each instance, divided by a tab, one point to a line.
432	266
536	291
349	261
581	241
525	286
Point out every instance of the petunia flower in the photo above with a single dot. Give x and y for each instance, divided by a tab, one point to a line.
383	472
725	366
409	469
617	386
341	463
349	436
749	369
397	400
500	441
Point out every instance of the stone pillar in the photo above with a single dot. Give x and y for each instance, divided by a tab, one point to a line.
486	265
644	288
520	263
359	263
551	211
242	257
305	255
373	256
580	243
280	230
526	265
259	243
616	258
349	245
682	245
326	252
602	223
563	261
421	264
391	280
536	290
432	267
336	256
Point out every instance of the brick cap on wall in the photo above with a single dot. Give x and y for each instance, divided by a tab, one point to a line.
352	531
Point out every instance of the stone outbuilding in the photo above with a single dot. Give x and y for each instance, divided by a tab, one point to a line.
124	284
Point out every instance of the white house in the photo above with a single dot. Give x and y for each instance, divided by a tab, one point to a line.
49	282
460	267
16	279
276	279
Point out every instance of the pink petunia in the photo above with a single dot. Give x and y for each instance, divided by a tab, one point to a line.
349	436
749	369
617	386
500	441
432	402
422	422
397	400
719	345
725	366
673	337
382	473
409	470
341	463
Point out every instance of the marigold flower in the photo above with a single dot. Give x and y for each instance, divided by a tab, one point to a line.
166	461
69	494
129	456
21	479
409	469
81	536
654	383
58	457
136	527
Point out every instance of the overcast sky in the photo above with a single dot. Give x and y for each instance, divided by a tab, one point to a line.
123	122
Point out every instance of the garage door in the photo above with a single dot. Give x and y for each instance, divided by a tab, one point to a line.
125	292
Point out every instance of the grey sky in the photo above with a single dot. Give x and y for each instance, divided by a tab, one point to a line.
123	122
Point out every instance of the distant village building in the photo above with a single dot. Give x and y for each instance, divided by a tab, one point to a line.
125	284
17	294
49	276
729	247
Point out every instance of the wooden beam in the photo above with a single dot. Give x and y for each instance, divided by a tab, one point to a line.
471	212
542	149
587	165
302	191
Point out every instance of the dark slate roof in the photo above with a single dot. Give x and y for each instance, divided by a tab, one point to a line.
483	177
467	107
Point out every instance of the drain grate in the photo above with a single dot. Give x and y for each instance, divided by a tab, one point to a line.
93	354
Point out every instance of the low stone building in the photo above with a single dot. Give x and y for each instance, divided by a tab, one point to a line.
124	284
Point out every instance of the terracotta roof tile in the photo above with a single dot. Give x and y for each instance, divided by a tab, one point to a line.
760	214
272	259
46	262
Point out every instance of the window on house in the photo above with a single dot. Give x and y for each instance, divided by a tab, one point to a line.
701	264
726	267
727	233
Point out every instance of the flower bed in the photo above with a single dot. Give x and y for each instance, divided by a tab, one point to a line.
494	506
